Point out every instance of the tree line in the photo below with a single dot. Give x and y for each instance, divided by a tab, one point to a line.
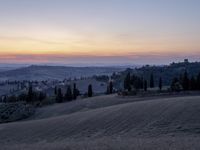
135	82
70	94
183	82
32	96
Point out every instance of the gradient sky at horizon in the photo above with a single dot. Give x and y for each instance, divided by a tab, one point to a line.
99	31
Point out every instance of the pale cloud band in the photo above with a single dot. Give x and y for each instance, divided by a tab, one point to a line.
140	59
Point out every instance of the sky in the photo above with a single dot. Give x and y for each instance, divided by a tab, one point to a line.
99	32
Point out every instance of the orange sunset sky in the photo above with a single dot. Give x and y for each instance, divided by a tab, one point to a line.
102	32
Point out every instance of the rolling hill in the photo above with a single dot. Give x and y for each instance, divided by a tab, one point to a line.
167	72
55	72
109	122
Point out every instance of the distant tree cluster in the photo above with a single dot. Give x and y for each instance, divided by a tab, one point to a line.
127	82
110	88
133	82
167	72
69	94
102	78
29	97
185	83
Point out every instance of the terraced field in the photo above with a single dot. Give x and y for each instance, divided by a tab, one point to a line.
109	122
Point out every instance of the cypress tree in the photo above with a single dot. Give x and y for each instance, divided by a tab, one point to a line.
151	81
193	85
185	82
198	81
175	85
30	94
180	79
160	84
55	90
41	96
127	82
68	94
90	92
110	87
145	85
59	97
74	92
141	83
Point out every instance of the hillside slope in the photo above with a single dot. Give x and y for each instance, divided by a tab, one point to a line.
145	119
167	72
55	72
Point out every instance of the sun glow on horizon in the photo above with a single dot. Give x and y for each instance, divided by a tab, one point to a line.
120	31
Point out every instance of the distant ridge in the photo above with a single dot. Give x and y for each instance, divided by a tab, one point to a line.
36	72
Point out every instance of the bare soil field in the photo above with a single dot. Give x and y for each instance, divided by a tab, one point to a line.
109	123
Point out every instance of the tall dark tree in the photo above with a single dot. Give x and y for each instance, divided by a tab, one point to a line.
160	84
68	94
90	91
141	83
193	84
133	78
127	82
22	97
185	82
152	81
180	79
59	97
136	82
145	85
75	93
110	87
55	90
198	81
108	90
175	85
41	96
30	94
